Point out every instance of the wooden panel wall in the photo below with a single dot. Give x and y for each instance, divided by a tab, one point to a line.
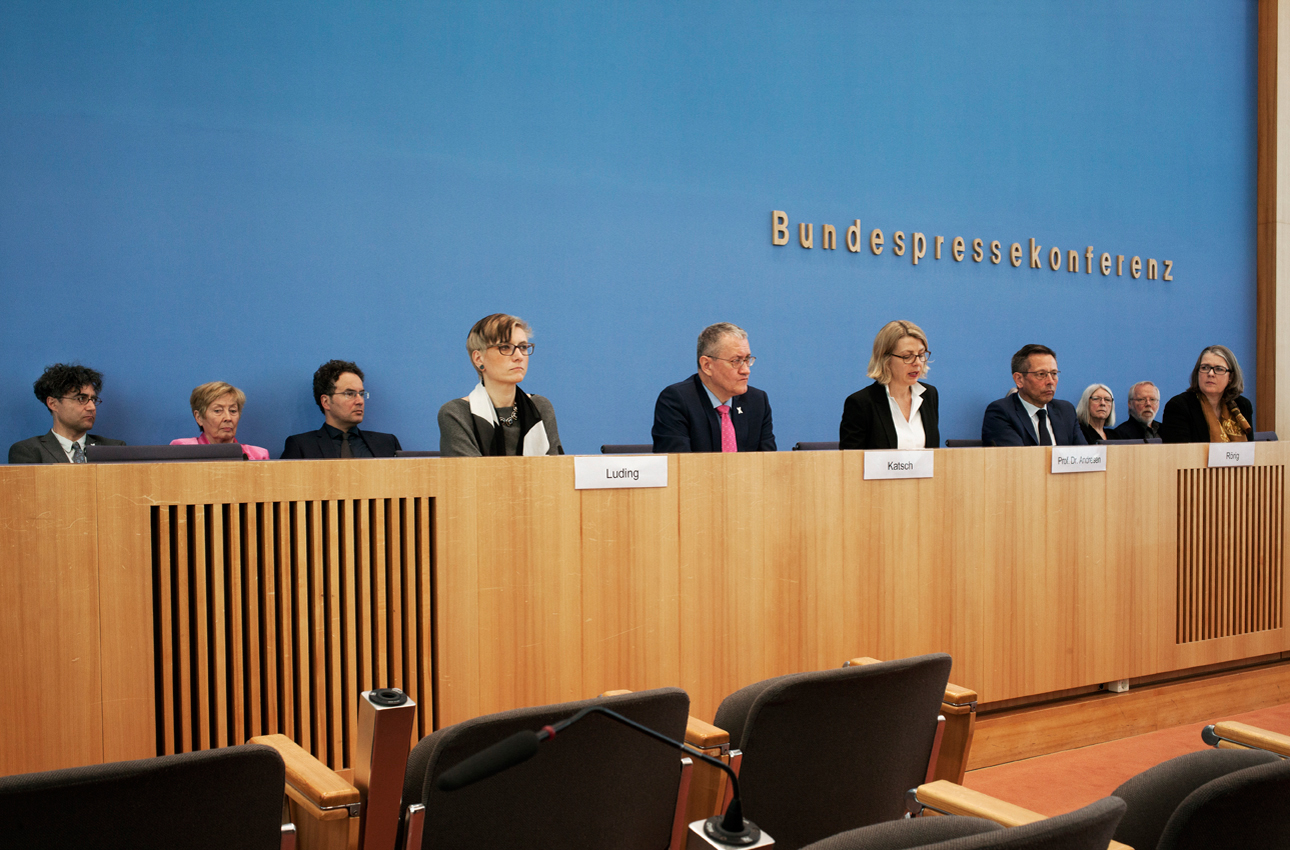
234	598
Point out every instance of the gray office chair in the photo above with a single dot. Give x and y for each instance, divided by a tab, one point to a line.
597	784
816	447
225	799
627	449
835	750
1212	799
963	444
1088	828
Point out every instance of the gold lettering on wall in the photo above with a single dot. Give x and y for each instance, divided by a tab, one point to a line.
854	237
920	247
778	227
917	242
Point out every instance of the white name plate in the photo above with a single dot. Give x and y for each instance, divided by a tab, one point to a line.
916	463
1231	454
611	472
1079	458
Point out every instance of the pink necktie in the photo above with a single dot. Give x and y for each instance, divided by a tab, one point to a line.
727	429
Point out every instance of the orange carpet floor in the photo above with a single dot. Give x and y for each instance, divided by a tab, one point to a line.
1061	782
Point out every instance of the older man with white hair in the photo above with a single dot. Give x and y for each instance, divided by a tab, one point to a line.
1144	402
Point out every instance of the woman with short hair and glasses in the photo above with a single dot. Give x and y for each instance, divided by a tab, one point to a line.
1212	410
498	418
1096	412
898	410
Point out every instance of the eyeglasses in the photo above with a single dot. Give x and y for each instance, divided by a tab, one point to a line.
1102	398
921	357
737	362
1045	375
82	399
1214	370
506	349
1143	399
350	395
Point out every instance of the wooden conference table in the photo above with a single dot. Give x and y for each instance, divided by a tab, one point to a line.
155	608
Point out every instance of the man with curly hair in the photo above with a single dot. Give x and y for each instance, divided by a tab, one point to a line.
339	394
71	392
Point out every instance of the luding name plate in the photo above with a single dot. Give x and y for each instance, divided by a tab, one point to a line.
1079	458
1231	454
899	464
611	472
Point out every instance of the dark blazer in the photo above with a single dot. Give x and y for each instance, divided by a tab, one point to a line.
686	421
46	448
867	421
1006	424
1184	420
319	444
1132	429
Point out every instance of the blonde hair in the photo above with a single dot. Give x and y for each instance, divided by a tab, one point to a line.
492	330
885	343
205	395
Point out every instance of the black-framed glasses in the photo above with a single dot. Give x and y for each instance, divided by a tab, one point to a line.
737	362
1101	398
1214	370
506	349
82	399
350	395
1045	374
921	357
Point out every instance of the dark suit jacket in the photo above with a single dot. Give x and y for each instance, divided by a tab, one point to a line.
1006	424
867	421
686	421
1132	429
1184	419
319	444
46	448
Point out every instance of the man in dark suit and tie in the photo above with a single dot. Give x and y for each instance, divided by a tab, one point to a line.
1031	416
339	394
715	410
1144	401
71	392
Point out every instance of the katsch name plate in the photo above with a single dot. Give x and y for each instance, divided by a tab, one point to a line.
1079	458
899	464
1231	454
611	472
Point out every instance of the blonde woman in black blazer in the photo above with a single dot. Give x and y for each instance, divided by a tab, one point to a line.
900	359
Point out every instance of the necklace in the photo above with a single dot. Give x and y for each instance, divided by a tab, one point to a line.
510	420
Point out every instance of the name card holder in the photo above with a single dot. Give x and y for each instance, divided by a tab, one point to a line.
1079	459
613	472
911	463
1231	454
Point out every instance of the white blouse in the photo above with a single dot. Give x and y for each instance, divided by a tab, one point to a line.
909	435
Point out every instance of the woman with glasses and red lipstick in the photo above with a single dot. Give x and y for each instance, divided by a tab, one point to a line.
1213	409
898	410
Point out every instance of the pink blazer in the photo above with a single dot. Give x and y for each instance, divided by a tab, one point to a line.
252	452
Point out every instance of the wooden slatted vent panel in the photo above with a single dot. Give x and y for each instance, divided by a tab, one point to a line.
273	617
1230	551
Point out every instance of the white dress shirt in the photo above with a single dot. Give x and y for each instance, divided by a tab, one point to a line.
67	444
1034	418
909	435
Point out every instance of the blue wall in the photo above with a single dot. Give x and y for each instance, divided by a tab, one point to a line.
239	191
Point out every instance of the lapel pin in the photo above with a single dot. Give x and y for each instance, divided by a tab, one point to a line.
739	410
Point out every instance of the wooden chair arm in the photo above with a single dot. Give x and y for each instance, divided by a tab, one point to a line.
310	782
947	797
1252	736
704	736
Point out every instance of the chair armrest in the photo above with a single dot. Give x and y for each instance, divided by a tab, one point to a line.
954	799
311	783
704	736
1253	737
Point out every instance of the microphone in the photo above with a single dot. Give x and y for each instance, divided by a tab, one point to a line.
731	830
507	752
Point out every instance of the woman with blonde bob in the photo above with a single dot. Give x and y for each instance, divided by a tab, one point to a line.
217	407
1096	412
1212	410
898	410
499	418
